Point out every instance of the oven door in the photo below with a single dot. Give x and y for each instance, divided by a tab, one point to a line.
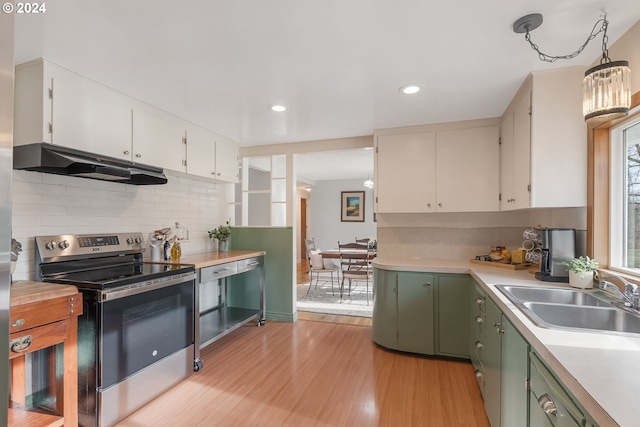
143	324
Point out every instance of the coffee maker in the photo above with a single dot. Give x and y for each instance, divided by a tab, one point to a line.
558	246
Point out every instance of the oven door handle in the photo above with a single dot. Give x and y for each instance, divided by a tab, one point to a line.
138	288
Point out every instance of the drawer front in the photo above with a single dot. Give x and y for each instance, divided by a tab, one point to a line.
480	320
479	374
479	300
218	271
37	338
549	400
27	316
250	264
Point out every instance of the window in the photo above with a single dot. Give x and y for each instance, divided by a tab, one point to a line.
625	197
261	194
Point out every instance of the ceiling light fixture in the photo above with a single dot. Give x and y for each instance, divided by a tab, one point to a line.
606	92
278	108
409	89
368	183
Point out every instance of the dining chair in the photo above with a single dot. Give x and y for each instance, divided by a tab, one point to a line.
318	266
355	265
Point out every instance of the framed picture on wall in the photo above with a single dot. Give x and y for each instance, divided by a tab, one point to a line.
352	206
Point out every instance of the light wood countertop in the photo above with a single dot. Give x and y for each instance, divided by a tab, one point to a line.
208	259
27	292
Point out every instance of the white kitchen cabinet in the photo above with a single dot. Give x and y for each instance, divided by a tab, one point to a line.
158	138
210	155
58	106
467	170
446	170
544	143
227	158
406	172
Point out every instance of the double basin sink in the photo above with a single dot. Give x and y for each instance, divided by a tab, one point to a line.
558	308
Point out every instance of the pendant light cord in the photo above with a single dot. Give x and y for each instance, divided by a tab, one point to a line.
599	27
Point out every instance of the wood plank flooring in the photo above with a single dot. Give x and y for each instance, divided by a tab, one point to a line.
320	374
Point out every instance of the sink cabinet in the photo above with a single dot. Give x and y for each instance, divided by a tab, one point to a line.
439	161
543	143
421	313
500	358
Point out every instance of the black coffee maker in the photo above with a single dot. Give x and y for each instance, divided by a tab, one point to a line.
558	246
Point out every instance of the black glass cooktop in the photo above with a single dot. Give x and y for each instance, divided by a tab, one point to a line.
120	275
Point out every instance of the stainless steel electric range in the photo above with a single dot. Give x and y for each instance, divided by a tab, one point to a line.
136	336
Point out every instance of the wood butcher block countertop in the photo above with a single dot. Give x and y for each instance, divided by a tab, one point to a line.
27	292
208	259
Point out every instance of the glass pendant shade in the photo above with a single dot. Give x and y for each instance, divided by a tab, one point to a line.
606	92
368	183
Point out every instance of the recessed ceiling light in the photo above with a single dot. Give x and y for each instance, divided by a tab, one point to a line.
409	89
278	108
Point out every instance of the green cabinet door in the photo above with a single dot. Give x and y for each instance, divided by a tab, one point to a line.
492	358
415	312
452	319
385	308
515	372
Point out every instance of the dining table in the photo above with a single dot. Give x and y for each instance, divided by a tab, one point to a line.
335	253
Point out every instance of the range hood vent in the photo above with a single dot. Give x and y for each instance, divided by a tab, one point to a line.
47	158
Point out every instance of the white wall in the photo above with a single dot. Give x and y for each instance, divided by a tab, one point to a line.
45	204
324	221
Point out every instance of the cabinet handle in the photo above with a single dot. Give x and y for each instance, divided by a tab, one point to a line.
125	152
428	205
21	344
479	301
547	405
138	155
440	204
496	324
479	345
17	322
424	285
479	319
478	374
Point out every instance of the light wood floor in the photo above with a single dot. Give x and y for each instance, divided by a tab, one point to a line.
316	374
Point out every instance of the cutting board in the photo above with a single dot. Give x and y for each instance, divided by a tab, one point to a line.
502	265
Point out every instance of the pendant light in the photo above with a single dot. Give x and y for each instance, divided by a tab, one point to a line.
606	91
368	183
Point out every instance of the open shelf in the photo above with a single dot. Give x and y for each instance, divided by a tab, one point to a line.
216	323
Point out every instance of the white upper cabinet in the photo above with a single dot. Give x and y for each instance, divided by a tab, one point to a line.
212	156
445	170
406	172
158	138
467	170
227	160
57	106
544	143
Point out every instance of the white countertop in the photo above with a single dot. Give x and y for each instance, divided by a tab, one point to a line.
601	370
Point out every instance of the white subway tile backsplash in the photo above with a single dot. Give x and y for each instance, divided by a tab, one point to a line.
51	204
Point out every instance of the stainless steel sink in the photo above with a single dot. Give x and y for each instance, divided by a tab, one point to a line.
558	308
583	317
551	295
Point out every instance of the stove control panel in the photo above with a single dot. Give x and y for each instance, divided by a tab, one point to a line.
84	244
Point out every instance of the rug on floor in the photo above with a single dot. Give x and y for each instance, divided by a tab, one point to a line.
321	300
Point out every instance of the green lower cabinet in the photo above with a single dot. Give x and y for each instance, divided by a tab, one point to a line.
550	404
492	361
452	320
415	312
513	377
385	308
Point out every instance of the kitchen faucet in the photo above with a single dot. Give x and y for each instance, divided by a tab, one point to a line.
631	294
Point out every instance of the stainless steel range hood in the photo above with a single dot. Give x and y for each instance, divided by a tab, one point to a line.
47	158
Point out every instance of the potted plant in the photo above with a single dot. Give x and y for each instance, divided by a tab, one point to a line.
581	271
221	234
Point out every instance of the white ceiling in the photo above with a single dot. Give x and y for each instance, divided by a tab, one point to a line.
337	65
334	165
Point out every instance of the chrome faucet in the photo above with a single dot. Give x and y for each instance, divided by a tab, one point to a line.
631	294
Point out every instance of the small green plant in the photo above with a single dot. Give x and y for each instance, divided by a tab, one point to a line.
582	265
223	232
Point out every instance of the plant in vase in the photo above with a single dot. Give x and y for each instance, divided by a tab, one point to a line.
221	234
581	271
